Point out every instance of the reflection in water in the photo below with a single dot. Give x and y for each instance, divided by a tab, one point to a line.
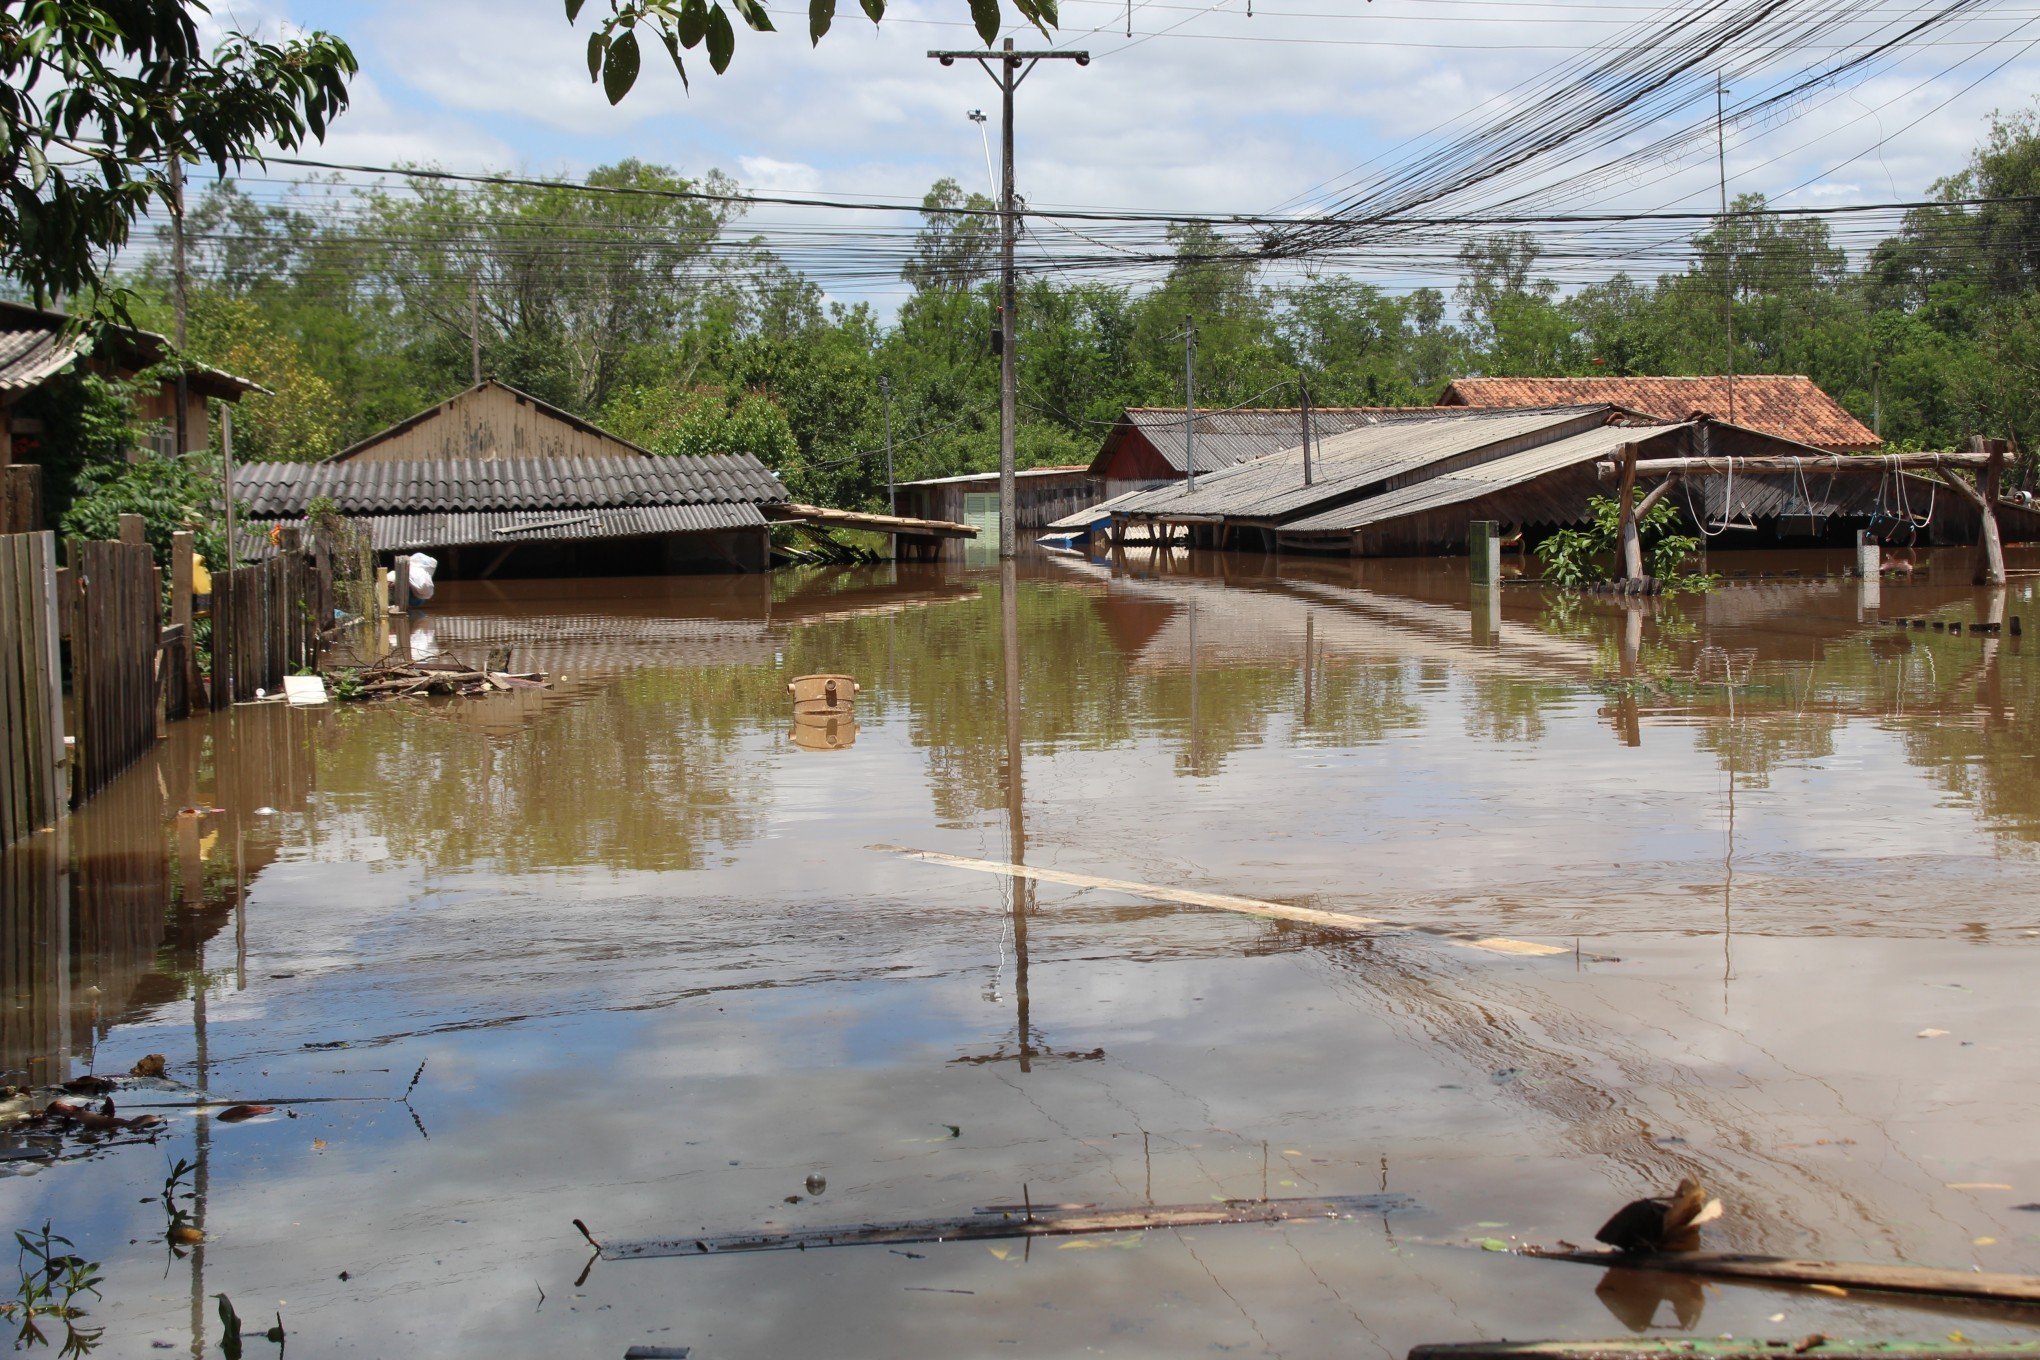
635	882
1636	1296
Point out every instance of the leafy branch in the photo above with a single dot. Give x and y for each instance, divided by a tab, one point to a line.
615	56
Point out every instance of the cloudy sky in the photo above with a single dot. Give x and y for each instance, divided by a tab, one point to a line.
1205	109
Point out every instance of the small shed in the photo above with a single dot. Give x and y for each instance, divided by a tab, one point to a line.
1045	494
491	420
1786	406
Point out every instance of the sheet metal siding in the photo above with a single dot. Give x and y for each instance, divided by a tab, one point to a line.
1494	476
277	490
1348	464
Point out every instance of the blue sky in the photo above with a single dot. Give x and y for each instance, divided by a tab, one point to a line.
1206	109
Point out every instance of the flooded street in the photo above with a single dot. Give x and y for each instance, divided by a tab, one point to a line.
661	968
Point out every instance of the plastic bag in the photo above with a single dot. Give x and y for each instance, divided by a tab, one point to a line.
422	568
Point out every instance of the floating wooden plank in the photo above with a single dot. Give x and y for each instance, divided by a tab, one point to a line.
1722	1348
1190	897
1849	1275
830	518
1042	1222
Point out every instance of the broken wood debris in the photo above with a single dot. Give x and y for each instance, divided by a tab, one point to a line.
394	677
1043	1222
1847	1275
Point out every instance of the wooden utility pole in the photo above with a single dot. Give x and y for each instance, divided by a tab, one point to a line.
1013	67
892	491
475	325
1983	498
180	300
1632	541
1190	401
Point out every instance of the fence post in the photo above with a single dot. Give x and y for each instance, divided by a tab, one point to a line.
134	531
400	589
1484	552
20	498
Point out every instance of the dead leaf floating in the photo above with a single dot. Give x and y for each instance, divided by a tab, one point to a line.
1663	1222
153	1065
234	1114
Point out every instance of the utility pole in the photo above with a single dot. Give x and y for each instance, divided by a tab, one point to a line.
180	298
892	494
1013	67
1727	263
475	323
1190	401
1303	387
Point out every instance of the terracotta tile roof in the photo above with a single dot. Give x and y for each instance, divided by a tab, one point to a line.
1789	406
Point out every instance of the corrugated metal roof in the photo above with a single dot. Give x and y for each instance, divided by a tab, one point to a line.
34	349
1227	438
1788	405
401	533
1482	479
1084	519
1345	465
30	358
410	486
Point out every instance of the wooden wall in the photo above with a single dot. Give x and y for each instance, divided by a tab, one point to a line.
32	791
492	421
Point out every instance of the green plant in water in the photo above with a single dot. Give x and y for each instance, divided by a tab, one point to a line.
53	1277
1583	556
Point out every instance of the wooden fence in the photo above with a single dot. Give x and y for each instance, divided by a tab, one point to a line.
131	671
263	626
116	629
31	699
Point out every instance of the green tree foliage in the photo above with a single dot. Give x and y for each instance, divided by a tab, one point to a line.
170	494
96	100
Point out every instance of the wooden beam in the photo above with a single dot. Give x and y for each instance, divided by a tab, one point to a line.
1015	1221
1810	463
1869	1276
1653	496
830	517
1990	545
1247	906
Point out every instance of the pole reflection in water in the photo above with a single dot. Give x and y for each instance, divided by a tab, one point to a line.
1016	820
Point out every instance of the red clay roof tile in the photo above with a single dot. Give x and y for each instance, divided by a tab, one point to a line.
1786	405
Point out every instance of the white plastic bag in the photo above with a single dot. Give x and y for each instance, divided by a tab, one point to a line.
422	568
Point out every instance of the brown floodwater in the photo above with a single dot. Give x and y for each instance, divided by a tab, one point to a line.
636	931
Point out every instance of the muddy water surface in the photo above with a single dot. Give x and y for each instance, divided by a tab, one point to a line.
658	976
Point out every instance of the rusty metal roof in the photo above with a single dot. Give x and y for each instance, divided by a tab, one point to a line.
1347	466
1790	406
409	487
1226	438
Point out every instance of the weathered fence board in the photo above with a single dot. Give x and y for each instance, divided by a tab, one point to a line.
261	627
114	637
31	729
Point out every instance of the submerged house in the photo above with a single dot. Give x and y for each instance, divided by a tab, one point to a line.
1042	495
1412	481
495	482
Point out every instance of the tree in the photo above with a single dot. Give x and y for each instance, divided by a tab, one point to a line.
97	99
615	55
